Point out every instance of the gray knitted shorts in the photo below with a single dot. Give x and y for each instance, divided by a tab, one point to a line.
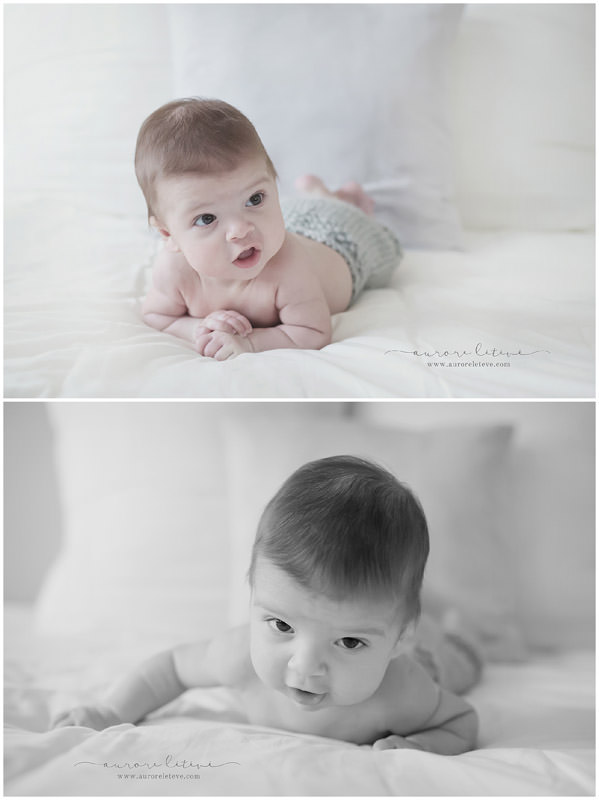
370	249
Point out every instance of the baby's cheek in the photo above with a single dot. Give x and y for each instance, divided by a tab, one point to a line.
357	685
263	662
351	690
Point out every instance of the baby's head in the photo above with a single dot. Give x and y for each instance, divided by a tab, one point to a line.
193	135
336	573
210	188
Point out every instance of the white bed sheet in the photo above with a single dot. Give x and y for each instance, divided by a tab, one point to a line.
537	736
73	326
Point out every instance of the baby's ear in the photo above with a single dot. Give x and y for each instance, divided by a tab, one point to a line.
167	239
405	640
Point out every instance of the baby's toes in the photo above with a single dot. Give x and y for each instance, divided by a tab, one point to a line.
311	184
353	192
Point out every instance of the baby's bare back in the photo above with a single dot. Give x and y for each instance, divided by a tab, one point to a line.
330	268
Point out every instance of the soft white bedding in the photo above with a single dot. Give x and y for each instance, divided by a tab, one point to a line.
537	735
73	326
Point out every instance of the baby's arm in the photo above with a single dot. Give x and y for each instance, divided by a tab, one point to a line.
423	715
164	307
157	681
305	318
450	731
305	322
152	684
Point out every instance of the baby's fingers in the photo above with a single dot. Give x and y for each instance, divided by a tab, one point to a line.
94	717
61	720
229	322
74	716
391	743
241	324
201	341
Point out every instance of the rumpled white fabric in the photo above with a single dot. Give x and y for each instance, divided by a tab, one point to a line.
536	738
73	326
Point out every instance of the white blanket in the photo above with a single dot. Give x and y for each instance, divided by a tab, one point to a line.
536	738
511	316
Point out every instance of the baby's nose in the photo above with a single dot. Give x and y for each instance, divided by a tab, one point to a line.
306	663
239	229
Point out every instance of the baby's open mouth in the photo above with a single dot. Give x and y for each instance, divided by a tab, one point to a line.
248	258
306	698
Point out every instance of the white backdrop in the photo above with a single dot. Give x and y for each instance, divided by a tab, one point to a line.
550	493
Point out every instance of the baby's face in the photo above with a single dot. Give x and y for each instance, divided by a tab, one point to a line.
228	225
317	651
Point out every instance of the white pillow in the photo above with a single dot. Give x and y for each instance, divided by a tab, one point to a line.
145	532
144	497
79	78
524	116
457	473
348	91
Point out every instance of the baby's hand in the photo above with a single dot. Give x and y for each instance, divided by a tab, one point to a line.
395	742
222	346
225	321
96	717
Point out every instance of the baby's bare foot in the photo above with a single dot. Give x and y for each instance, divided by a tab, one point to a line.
311	184
350	192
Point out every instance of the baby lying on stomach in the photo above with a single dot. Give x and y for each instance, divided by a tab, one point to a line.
238	272
336	573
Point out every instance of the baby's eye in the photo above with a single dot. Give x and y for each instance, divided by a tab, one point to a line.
256	199
280	626
203	220
351	643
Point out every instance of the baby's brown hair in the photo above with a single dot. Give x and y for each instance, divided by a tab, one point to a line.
190	135
346	526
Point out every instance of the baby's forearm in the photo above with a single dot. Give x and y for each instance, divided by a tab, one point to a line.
183	327
152	685
460	737
444	743
287	336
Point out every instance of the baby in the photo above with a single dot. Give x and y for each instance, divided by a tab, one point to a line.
237	272
335	580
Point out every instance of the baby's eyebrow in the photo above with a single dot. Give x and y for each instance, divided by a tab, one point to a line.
195	205
261	179
370	631
267	607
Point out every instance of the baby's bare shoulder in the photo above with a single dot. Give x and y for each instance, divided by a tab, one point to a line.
229	655
171	270
309	269
291	271
223	660
408	693
292	261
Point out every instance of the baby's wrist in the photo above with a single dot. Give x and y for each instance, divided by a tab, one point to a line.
111	713
414	743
